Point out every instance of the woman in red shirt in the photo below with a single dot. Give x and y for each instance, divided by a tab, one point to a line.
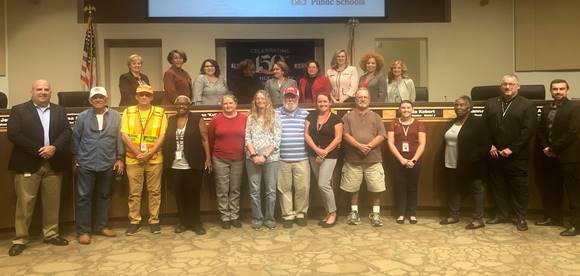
226	139
406	139
313	83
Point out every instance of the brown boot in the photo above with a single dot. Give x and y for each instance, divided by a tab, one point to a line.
84	239
107	232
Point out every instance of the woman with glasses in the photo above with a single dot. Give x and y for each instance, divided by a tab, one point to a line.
209	87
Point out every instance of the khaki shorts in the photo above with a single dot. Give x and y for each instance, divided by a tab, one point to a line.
352	176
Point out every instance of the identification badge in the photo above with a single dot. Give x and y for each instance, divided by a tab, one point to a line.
27	174
405	147
178	155
143	147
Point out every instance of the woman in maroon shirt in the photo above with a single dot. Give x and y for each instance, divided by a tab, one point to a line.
226	139
313	83
406	139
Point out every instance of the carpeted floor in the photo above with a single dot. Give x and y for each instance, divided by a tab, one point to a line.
423	249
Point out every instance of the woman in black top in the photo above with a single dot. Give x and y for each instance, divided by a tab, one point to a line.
186	154
323	134
466	149
129	81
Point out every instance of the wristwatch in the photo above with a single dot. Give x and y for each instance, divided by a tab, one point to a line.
253	155
414	161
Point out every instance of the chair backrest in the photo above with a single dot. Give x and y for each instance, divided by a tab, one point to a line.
158	97
3	100
531	92
483	93
421	94
73	98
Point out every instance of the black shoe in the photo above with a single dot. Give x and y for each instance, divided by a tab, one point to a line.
498	220
287	223
199	230
133	229
236	223
226	224
301	221
400	221
450	220
58	240
413	221
474	225
180	228
16	249
570	232
548	222
155	228
324	224
522	225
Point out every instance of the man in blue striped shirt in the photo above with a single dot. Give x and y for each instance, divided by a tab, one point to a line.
294	170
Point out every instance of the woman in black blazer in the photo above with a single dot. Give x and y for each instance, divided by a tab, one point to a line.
466	148
186	155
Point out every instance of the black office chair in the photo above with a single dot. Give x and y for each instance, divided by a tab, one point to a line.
483	93
74	99
158	97
3	100
533	91
421	94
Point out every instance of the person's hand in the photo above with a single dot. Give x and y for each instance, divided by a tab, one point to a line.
119	167
259	159
143	157
366	149
207	165
322	153
47	152
505	152
493	152
404	162
548	152
410	164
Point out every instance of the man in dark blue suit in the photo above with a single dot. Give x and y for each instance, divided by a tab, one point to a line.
558	138
41	136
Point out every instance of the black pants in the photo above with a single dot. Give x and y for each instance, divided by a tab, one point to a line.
571	172
509	183
552	187
456	184
406	181
187	185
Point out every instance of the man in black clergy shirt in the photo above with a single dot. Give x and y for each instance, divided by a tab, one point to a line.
560	144
41	136
511	121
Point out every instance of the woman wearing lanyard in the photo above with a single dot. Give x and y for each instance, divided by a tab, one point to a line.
406	139
186	154
323	134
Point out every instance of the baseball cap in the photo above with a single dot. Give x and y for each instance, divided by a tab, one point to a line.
291	90
144	88
97	90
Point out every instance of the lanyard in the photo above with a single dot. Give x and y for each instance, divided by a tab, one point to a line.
406	129
505	110
146	122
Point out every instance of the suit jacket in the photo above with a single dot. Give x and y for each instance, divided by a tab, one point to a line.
127	86
565	141
377	87
192	146
26	133
472	147
515	129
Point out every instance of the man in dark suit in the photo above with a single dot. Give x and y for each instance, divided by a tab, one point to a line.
511	122
558	139
41	136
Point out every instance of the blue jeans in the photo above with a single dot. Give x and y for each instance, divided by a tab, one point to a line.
88	183
255	173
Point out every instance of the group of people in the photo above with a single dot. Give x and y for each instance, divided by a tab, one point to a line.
341	80
282	146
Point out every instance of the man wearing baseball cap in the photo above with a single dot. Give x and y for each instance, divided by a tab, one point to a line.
98	153
294	170
143	130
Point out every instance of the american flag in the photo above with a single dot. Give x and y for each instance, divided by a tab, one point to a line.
89	61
